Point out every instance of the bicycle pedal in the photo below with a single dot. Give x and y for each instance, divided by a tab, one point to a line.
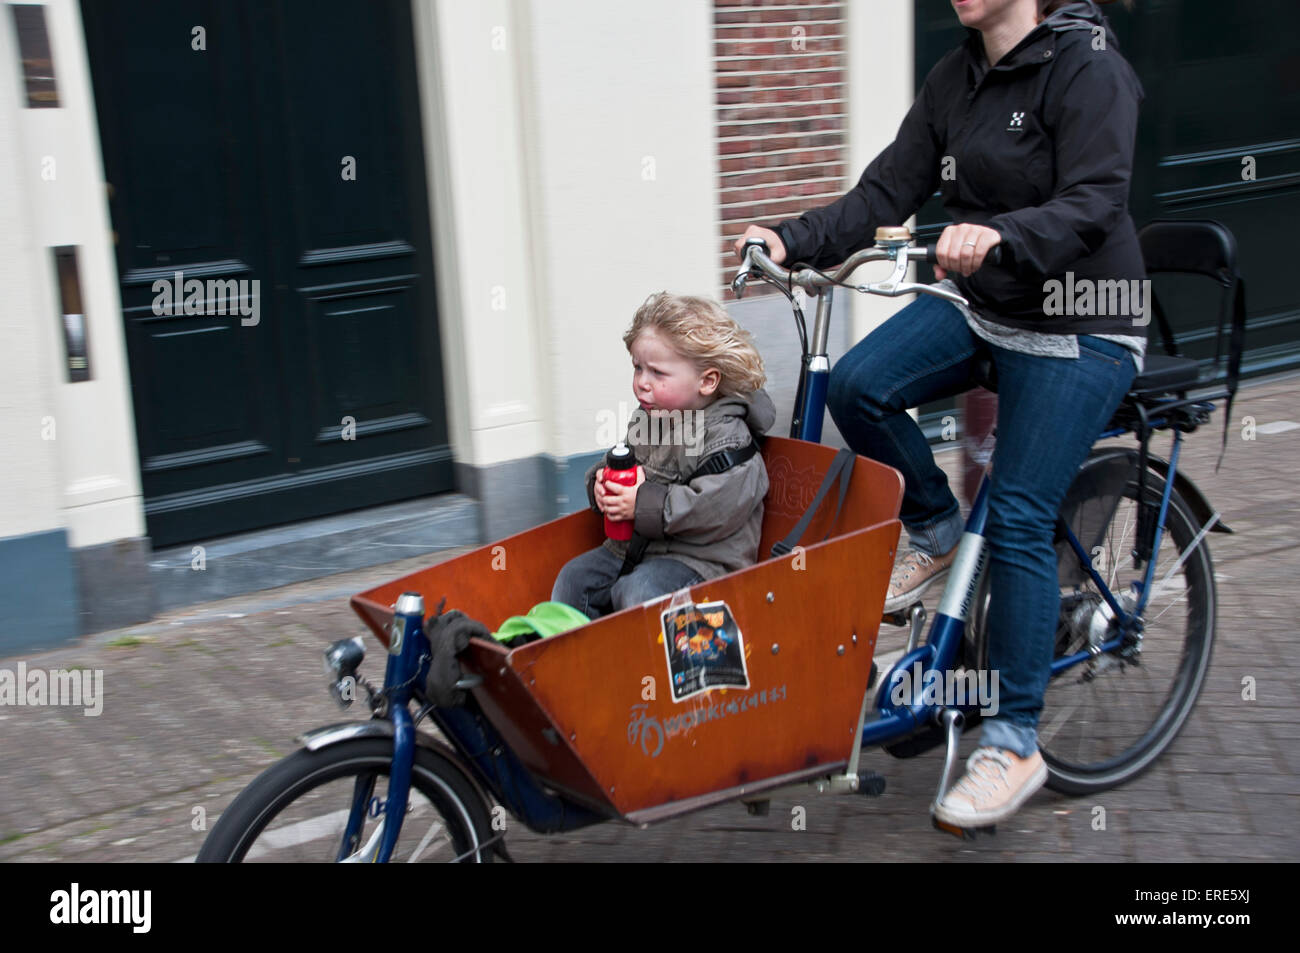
871	783
963	833
899	617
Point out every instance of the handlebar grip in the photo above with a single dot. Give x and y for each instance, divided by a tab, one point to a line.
994	257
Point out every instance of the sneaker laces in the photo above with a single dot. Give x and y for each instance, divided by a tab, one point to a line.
910	563
922	559
986	771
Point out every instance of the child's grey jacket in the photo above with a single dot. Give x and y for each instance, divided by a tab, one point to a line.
713	524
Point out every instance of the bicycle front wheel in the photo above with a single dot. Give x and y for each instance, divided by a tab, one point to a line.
1107	719
297	810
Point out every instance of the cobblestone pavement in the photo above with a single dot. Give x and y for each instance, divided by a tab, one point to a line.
201	700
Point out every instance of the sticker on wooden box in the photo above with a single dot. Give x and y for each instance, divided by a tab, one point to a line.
705	649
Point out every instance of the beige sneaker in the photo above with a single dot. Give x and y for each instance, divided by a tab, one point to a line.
912	575
996	783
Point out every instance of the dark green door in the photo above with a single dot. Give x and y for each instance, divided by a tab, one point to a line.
273	150
1222	85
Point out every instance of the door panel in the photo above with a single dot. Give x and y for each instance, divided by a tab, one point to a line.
227	164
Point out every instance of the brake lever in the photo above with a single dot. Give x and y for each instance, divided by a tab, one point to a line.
738	282
894	285
747	267
890	286
935	292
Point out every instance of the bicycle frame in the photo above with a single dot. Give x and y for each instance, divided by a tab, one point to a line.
938	654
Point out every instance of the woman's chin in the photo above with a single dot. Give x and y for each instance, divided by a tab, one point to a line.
966	12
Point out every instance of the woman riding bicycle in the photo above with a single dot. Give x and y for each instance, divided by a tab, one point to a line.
1027	130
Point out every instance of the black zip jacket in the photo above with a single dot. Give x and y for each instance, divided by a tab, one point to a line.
1040	148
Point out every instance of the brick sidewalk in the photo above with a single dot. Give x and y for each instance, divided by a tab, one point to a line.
199	701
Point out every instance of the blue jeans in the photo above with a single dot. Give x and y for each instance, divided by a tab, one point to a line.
585	582
1050	411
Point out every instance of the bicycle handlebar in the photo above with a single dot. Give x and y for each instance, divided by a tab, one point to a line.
898	250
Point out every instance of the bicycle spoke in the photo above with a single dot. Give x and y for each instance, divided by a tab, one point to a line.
1045	735
301	832
429	835
1168	607
1117	557
1192	547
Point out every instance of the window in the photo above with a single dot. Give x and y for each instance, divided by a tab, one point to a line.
74	317
34	49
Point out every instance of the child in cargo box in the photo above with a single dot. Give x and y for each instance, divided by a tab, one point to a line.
698	381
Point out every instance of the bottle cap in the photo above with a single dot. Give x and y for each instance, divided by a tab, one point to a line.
620	457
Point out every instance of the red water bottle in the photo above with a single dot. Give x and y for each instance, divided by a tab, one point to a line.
620	467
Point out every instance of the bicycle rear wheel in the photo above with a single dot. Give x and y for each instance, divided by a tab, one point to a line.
1107	719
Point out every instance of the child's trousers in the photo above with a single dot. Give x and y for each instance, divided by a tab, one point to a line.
584	582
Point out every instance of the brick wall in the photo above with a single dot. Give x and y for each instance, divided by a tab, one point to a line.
780	77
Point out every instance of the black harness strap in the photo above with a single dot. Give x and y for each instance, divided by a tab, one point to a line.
635	552
841	469
724	460
1166	332
1236	343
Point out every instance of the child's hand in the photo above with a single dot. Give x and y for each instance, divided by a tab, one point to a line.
598	490
620	501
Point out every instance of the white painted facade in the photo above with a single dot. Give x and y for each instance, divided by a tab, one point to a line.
571	173
87	478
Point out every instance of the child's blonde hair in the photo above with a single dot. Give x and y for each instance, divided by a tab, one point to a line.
701	331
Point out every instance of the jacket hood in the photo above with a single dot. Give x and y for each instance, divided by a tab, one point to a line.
1079	15
755	409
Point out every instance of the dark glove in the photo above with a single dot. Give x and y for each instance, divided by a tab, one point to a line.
448	635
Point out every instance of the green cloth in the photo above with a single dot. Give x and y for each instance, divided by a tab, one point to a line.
545	619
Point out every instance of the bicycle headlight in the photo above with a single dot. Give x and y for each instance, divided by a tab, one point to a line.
342	659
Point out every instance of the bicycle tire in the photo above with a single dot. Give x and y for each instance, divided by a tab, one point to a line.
1085	752
289	785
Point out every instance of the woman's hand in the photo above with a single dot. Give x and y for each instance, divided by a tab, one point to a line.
962	248
619	500
775	247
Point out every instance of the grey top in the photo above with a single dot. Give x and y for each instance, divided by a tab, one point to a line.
1038	342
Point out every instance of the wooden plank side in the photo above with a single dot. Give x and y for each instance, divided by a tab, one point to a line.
803	699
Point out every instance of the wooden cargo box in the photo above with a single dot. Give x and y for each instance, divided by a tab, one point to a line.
629	720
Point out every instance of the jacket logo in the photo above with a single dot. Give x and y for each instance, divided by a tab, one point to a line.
1017	121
